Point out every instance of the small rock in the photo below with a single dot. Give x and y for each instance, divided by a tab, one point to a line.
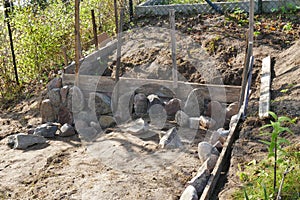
66	130
54	83
100	103
194	106
88	134
170	139
211	162
75	100
140	104
182	119
54	96
64	94
23	141
173	106
65	116
215	136
200	180
194	122
47	111
107	121
205	150
47	130
224	133
153	99
233	121
207	122
80	124
232	109
190	193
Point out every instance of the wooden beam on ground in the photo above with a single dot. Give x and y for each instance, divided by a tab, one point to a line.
222	93
214	177
264	99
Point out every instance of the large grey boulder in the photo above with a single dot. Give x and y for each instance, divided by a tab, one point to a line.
65	116
64	91
47	111
190	193
47	130
194	105
99	103
54	96
23	141
205	150
54	83
170	139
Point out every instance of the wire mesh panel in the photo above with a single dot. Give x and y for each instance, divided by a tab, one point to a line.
162	7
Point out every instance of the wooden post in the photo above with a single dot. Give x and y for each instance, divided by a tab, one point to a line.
7	8
116	15
249	52
131	10
119	46
173	41
95	30
77	41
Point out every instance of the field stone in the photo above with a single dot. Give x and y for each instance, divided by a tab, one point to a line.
140	103
64	94
216	111
137	126
200	180
54	83
205	150
232	109
47	111
173	106
153	99
207	122
211	162
54	96
100	103
64	115
215	136
181	118
66	130
170	139
107	121
224	133
47	130
23	141
75	100
124	107
190	193
193	106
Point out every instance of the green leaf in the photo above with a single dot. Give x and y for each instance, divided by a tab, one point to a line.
265	192
273	115
246	195
284	119
265	126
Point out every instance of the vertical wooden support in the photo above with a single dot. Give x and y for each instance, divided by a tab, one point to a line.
77	41
264	99
249	52
7	8
119	46
131	10
116	15
173	41
95	30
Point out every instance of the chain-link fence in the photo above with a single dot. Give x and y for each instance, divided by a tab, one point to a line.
162	7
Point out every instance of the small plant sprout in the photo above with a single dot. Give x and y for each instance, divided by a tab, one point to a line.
278	127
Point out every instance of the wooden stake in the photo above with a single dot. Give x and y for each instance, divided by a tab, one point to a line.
116	16
173	41
119	46
77	41
95	30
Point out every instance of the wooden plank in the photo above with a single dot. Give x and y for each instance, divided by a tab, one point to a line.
222	93
214	177
173	48
264	99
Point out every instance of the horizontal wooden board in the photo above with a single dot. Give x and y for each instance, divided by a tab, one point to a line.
222	93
